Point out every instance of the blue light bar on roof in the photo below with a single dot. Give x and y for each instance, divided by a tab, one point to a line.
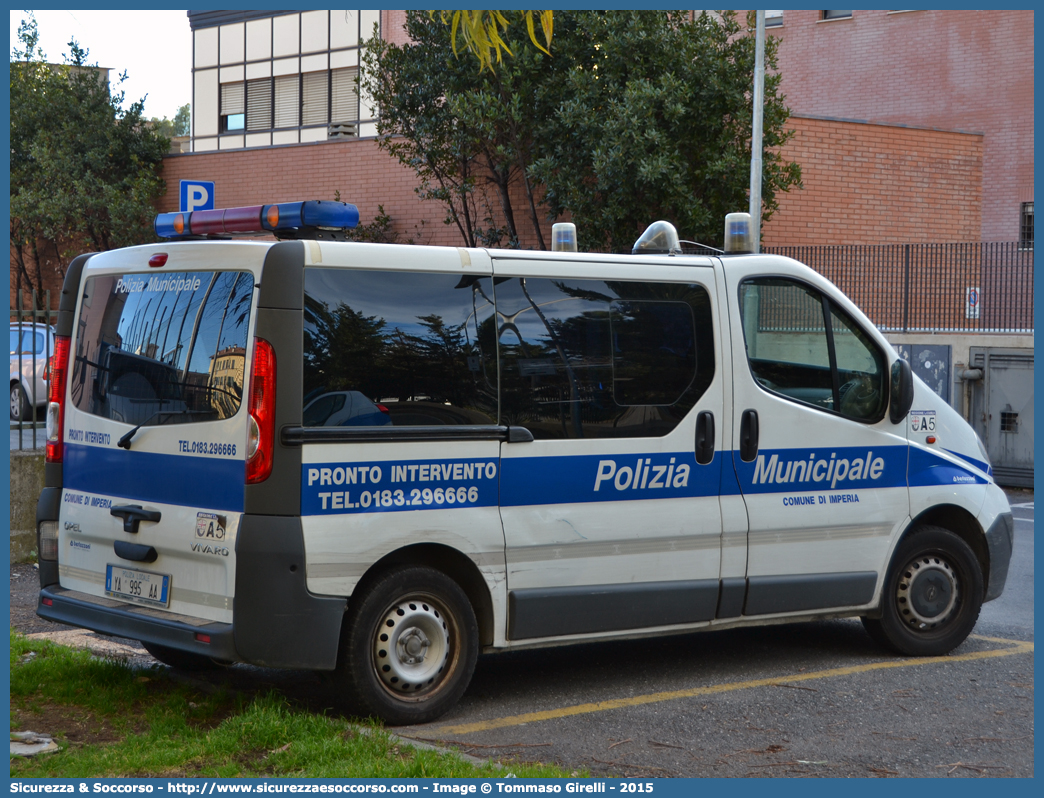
281	217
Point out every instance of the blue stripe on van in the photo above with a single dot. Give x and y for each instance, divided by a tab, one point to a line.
210	483
979	464
928	468
391	486
397	486
607	478
824	468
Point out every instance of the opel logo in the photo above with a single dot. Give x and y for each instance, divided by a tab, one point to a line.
931	592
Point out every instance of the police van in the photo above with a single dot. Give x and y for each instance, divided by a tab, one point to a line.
381	460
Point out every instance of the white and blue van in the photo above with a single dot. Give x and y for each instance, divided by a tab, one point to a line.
380	460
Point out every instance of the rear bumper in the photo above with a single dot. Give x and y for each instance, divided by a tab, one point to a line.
115	618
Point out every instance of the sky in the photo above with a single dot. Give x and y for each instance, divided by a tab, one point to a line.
153	47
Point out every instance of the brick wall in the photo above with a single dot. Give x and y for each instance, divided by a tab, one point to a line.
956	70
879	184
364	176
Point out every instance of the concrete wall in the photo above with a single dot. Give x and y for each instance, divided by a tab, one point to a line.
27	479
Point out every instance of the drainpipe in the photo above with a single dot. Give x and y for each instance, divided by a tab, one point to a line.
967	376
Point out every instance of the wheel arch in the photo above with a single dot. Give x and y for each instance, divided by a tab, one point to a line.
452	562
963	524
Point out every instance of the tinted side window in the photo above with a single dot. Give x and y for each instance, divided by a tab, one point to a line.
592	358
398	348
800	346
162	349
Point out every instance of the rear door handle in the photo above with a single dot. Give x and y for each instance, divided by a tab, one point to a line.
749	436
704	437
132	515
135	552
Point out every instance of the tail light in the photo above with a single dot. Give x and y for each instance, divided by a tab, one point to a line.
383	409
261	421
47	540
59	371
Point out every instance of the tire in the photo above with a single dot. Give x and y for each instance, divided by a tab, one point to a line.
408	647
182	660
21	410
932	595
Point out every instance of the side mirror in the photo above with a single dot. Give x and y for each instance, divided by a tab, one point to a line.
901	394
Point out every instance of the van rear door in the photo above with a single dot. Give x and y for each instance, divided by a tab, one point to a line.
156	429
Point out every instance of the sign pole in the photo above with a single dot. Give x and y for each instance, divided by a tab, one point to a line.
756	132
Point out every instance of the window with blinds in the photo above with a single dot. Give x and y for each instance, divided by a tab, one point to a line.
259	104
287	101
345	95
315	95
232	106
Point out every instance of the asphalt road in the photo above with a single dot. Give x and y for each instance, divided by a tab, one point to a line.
815	699
799	700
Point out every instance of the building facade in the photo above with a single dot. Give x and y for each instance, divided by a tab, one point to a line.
907	77
261	79
910	126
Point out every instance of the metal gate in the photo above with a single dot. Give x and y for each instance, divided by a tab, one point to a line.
1002	411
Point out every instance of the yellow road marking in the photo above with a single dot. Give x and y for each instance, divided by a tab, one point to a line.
1016	647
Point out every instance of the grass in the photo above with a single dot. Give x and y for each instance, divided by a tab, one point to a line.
111	720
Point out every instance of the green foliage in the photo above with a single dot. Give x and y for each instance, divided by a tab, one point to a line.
481	31
655	123
182	120
156	727
178	126
467	133
83	170
639	115
379	231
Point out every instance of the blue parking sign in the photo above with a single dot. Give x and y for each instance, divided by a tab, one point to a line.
197	195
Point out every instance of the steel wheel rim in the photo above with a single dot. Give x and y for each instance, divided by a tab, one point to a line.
414	647
927	593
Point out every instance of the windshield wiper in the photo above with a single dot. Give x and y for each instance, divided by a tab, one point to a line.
125	441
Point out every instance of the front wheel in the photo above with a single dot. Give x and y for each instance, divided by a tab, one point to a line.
409	646
932	595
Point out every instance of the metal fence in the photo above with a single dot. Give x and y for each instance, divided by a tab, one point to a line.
979	287
30	323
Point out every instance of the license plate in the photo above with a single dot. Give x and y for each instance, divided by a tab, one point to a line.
141	587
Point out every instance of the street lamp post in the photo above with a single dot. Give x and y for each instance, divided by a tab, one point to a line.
756	134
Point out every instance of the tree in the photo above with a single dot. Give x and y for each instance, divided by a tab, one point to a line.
640	115
466	133
657	125
178	126
84	171
481	31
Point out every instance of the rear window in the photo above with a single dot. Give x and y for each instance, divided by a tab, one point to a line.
162	349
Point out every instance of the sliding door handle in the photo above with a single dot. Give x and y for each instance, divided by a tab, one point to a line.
704	437
749	436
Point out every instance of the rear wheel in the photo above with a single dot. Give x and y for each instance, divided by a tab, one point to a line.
932	596
409	646
21	410
182	660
